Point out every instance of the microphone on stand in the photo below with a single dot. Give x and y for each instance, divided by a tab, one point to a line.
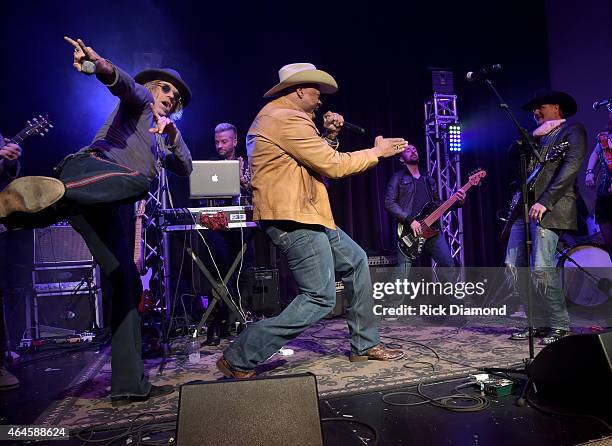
602	103
483	73
354	128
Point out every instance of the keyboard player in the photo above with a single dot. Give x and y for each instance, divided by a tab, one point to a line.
225	244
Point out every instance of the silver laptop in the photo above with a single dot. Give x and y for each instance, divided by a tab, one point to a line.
214	179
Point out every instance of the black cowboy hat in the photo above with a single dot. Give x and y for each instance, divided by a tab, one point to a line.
565	101
167	75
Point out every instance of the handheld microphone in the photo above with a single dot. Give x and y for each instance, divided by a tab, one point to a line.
354	128
88	67
483	73
602	103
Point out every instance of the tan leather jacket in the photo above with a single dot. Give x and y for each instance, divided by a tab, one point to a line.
289	159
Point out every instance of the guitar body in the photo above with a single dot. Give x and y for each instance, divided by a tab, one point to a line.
428	217
410	245
146	303
516	206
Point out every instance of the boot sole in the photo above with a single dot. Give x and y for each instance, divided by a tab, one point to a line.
223	369
357	358
30	195
228	373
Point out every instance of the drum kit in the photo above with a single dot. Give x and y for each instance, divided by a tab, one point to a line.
584	266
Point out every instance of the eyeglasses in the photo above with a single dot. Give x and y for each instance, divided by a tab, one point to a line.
167	89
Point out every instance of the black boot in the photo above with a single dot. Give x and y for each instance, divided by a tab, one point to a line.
213	335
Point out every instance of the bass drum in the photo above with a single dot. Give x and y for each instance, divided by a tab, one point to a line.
592	286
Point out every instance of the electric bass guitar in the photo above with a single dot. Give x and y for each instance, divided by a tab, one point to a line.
516	205
411	245
146	301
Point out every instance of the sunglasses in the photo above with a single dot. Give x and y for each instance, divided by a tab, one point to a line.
167	89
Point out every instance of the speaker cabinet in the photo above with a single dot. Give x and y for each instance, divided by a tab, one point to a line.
65	314
575	373
60	244
341	302
274	411
262	291
66	297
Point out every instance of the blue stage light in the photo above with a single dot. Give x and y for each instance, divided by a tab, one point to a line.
454	137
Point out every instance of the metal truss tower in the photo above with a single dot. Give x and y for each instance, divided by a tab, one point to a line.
444	165
155	243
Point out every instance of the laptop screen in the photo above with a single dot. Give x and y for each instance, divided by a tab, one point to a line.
214	179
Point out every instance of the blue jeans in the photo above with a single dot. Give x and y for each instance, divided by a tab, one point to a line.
314	254
548	305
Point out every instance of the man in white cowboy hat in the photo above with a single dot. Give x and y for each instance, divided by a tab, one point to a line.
289	158
116	168
552	209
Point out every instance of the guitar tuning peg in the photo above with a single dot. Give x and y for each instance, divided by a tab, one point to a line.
28	122
50	126
42	134
46	130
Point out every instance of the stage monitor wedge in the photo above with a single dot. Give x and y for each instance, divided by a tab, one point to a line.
271	411
575	373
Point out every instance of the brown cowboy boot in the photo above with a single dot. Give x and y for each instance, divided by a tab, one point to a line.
378	353
30	195
225	368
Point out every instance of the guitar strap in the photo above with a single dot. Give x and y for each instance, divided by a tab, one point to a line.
551	139
546	142
428	187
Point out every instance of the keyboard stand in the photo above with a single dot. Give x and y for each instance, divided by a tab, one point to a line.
219	288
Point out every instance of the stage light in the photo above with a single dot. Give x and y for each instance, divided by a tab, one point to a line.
454	137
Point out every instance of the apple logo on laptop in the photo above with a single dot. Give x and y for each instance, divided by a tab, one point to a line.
215	178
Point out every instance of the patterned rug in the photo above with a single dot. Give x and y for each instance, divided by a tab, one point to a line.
433	353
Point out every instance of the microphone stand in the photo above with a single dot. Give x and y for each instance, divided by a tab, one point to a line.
527	146
163	256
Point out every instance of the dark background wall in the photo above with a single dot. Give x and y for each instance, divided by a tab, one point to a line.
230	52
580	35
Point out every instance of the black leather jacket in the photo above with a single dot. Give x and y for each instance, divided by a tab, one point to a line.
554	186
400	195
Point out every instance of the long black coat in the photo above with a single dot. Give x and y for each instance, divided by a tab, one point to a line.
554	186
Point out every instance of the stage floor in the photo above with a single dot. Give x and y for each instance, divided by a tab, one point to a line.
71	388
